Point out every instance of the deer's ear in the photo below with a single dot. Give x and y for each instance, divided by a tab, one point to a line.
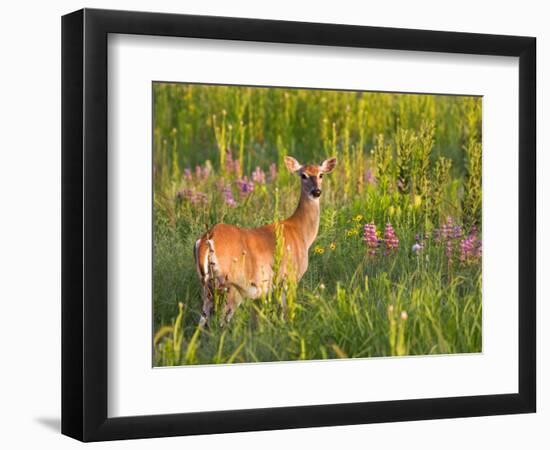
328	165
292	164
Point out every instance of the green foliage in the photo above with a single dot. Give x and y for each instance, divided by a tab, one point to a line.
472	185
411	160
442	178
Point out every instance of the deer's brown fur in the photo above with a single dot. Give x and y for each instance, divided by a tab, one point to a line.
239	261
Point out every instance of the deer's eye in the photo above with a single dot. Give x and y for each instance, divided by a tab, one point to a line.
321	175
304	176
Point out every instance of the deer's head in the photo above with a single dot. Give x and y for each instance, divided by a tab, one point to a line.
311	175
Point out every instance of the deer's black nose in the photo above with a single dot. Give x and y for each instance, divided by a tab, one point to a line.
316	192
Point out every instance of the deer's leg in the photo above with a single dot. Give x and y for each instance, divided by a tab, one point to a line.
207	304
232	301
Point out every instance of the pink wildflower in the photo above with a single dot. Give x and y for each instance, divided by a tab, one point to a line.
370	237
245	186
228	197
272	172
202	172
369	177
258	176
192	196
392	241
470	247
231	165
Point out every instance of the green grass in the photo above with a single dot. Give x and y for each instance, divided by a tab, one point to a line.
424	154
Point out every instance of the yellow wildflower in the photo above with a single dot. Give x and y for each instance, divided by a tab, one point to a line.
332	246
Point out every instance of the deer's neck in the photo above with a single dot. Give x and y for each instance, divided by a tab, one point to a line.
306	218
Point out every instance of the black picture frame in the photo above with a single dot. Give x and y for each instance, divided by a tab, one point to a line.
84	224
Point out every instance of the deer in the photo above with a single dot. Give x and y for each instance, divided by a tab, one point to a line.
239	262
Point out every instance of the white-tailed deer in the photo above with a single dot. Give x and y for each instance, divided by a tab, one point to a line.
239	261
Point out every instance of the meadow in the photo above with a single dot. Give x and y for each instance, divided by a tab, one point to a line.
396	267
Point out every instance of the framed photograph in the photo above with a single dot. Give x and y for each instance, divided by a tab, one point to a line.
273	224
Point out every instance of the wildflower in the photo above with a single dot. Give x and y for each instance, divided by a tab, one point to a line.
319	250
452	235
332	246
272	172
446	230
322	286
187	175
192	196
202	172
369	177
245	186
358	218
392	241
258	176
470	248
418	245
200	197
184	194
231	165
404	315
351	232
228	197
370	237
456	232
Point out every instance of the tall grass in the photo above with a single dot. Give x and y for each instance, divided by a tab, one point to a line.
410	160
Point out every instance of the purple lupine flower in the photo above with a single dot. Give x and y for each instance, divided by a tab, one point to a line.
199	197
470	247
231	165
184	194
228	196
192	196
187	175
245	185
392	241
456	232
369	177
202	173
272	172
258	176
446	230
198	172
370	238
